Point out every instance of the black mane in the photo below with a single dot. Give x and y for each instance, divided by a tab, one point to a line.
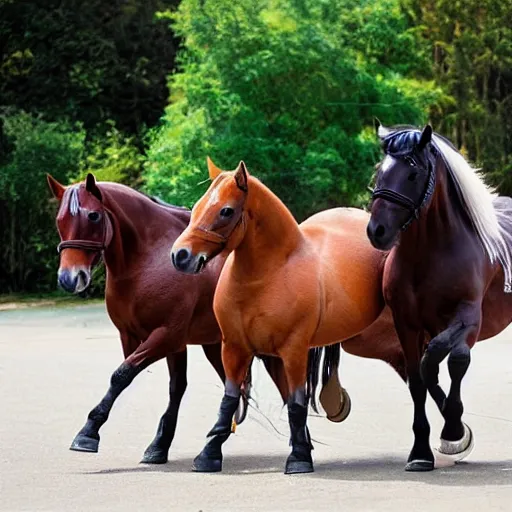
403	140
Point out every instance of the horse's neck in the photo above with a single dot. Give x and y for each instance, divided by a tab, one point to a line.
271	235
443	222
137	225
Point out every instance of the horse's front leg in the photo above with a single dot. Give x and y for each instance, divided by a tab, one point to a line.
158	451
236	360
421	457
455	341
214	355
153	349
295	360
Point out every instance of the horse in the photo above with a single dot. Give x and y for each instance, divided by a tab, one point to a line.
158	312
284	289
448	274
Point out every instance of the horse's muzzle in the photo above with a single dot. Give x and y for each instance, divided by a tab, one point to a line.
380	237
184	261
74	280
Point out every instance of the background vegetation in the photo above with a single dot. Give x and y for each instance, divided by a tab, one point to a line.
140	92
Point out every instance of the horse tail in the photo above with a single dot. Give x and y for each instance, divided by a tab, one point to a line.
331	361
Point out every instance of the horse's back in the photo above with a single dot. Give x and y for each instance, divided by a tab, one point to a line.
351	270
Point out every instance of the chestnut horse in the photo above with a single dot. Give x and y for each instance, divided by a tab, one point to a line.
284	288
448	273
157	310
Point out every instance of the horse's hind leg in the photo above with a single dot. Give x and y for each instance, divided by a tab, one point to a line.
153	349
158	451
236	363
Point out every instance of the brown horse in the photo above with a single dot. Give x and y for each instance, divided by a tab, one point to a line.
284	288
157	310
447	274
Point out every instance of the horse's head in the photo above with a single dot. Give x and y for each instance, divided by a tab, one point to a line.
84	228
217	220
404	183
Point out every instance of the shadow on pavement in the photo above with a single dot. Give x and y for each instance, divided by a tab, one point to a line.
370	470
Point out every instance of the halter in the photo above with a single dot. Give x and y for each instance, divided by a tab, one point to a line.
212	236
406	202
88	245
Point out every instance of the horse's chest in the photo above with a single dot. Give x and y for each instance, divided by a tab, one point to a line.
427	294
258	318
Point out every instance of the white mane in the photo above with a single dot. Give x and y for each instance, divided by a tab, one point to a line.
478	199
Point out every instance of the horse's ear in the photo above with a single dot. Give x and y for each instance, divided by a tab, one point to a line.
92	187
213	170
425	138
242	176
377	124
56	188
381	130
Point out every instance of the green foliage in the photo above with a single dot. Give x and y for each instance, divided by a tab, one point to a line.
285	86
86	61
471	47
27	220
30	148
112	158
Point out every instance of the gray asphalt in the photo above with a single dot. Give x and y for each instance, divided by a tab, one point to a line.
55	366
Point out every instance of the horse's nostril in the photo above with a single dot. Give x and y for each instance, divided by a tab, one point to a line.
379	232
182	255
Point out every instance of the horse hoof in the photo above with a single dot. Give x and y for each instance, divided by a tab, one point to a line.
455	451
294	467
419	465
203	464
154	456
83	443
346	407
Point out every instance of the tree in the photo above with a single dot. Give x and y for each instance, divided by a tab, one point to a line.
286	86
27	220
87	61
470	44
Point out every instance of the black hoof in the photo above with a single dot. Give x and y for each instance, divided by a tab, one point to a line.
203	464
154	456
420	465
294	467
83	443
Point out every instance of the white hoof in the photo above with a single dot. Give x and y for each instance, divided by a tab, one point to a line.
451	452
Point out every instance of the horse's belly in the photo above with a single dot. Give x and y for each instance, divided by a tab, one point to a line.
352	274
496	309
266	315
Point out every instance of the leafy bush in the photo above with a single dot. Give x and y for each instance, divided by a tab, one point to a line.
31	148
283	86
113	157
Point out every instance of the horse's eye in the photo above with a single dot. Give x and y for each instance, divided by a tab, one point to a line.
412	176
94	216
227	212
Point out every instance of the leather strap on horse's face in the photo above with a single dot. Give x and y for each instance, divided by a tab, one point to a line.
405	202
91	245
216	238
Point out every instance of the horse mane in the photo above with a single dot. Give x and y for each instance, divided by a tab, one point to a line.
161	202
74	202
476	197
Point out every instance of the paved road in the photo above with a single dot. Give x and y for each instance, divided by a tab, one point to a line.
55	365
